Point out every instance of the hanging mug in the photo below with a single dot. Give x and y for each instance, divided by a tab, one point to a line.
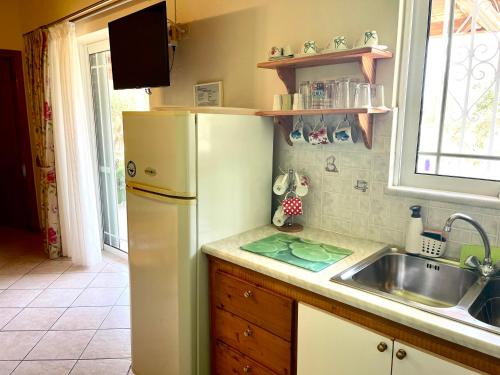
345	132
292	206
319	134
279	217
297	134
281	184
301	185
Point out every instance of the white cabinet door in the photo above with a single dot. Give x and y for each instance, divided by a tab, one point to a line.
411	361
328	345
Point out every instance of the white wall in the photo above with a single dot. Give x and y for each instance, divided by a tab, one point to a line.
226	41
228	38
227	47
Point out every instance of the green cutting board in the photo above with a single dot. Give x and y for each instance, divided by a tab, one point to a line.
301	252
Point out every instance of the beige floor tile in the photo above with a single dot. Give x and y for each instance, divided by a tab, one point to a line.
61	345
119	317
109	343
115	267
86	269
35	319
115	258
101	367
18	267
52	266
18	298
56	298
34	281
82	318
44	368
110	280
124	299
7	314
6	367
98	297
15	345
8	280
73	280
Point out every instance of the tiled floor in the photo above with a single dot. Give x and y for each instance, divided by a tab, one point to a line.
57	318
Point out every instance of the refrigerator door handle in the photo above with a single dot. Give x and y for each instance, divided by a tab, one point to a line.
161	191
160	197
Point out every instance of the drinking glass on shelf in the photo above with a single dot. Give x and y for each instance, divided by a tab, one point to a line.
317	94
342	97
305	91
377	95
362	96
330	92
353	82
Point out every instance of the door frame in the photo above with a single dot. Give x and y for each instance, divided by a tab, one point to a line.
23	131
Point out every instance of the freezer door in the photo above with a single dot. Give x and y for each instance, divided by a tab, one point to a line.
160	151
162	260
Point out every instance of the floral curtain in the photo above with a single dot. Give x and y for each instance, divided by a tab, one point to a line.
40	108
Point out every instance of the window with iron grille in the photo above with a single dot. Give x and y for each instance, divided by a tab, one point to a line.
452	96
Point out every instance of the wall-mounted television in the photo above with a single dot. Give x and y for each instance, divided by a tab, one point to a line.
139	48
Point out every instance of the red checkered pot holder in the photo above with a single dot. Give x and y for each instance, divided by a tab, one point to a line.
292	206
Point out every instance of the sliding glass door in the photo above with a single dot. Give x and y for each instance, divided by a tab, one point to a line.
108	106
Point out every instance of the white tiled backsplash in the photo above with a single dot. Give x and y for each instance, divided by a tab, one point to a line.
334	205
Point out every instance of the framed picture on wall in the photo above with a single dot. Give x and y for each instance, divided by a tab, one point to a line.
208	94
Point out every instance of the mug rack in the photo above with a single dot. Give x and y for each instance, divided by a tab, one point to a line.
366	57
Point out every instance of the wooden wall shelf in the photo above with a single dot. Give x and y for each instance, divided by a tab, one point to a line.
326	111
366	57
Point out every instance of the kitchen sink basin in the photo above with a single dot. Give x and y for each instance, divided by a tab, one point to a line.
486	307
433	285
417	279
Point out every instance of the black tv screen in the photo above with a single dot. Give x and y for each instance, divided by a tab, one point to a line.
139	49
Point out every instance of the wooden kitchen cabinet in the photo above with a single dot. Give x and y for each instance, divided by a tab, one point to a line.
263	326
409	360
251	328
329	345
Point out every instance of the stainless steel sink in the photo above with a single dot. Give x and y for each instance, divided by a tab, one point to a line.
432	285
486	307
415	279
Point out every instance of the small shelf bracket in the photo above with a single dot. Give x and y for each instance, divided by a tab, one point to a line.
368	65
365	124
287	75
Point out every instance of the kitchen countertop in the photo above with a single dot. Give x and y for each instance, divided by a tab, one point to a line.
319	282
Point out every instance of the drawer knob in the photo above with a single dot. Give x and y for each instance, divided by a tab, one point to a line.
247	369
248	332
248	294
382	347
400	354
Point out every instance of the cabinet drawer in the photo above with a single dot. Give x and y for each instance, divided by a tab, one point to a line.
262	346
257	305
229	361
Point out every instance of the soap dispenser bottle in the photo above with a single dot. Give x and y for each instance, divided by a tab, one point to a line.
415	228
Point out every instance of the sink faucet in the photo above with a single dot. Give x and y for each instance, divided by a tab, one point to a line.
486	267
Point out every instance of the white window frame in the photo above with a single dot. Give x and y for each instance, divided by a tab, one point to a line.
402	177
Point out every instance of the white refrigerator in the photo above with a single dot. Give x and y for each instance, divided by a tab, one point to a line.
193	176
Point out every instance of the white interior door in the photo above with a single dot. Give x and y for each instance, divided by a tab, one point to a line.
327	345
411	361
